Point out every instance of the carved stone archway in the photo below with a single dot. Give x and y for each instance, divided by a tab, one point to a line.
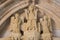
29	19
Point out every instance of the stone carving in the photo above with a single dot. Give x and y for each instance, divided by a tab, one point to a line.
30	28
46	33
28	19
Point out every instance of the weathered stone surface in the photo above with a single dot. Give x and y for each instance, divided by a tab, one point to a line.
29	19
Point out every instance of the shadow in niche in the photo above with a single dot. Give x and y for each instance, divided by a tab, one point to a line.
37	1
4	27
22	33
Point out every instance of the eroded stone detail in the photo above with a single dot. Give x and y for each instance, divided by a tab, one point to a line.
31	24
